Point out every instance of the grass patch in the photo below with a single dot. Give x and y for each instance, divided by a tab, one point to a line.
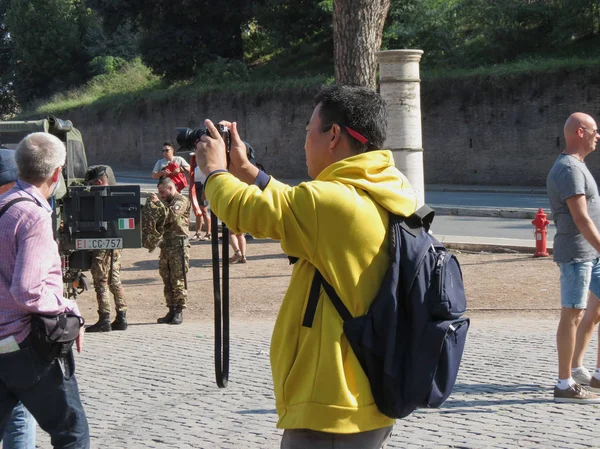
135	82
514	69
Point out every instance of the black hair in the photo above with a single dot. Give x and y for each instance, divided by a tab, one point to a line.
168	144
357	107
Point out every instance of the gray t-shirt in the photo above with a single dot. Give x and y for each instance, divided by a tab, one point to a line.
162	163
569	177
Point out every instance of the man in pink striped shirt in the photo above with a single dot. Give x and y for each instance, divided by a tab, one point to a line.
31	283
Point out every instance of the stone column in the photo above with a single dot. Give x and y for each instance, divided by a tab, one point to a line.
400	86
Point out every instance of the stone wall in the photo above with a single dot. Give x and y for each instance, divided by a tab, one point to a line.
475	131
132	138
502	132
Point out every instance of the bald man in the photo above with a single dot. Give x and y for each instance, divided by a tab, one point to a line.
575	205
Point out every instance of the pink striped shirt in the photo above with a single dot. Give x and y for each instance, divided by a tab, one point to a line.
30	266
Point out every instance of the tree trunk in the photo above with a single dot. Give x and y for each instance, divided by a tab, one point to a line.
357	33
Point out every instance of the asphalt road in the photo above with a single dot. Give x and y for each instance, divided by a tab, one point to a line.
507	228
458	197
487	199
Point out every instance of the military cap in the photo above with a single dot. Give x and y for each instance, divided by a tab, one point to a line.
94	173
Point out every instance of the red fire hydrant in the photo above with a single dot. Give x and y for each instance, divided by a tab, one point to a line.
540	222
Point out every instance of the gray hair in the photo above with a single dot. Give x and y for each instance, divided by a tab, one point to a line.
38	155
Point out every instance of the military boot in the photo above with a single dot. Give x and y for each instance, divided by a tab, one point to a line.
120	322
168	317
177	316
103	324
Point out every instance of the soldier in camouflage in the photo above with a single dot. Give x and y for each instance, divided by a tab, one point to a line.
153	224
105	276
174	257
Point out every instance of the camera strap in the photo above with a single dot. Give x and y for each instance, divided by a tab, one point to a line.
16	200
221	295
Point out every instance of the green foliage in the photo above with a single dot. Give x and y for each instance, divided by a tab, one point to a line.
102	65
304	60
197	46
122	41
515	69
131	80
290	22
178	37
137	83
222	71
6	42
471	33
48	37
8	101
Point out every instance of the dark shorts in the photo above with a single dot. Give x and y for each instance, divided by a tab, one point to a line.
202	201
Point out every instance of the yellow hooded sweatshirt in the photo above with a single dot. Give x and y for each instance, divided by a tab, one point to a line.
338	224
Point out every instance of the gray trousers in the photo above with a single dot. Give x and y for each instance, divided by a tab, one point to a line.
312	439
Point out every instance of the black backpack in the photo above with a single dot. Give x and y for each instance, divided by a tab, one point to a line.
411	340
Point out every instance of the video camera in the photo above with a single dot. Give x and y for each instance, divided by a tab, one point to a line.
85	218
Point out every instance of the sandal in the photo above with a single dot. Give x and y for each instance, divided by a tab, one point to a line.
206	237
236	258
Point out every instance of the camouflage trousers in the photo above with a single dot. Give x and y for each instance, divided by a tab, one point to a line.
100	274
171	268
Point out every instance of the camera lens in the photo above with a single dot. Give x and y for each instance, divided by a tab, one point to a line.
187	137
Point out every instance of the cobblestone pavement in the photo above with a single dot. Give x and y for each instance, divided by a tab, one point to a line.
153	387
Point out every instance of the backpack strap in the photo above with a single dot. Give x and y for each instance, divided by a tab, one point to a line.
16	200
420	219
313	300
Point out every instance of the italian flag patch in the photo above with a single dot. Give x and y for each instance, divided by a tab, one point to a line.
126	223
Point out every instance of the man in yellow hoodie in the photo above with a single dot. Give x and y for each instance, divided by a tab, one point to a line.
338	224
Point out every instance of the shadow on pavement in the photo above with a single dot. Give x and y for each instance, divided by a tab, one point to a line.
257	412
453	405
151	323
142	265
516	259
496	388
141	281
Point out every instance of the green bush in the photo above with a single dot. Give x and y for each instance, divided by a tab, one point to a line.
131	79
102	65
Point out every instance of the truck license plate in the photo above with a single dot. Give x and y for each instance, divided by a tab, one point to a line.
112	243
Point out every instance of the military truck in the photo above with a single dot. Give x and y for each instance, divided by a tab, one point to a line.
85	218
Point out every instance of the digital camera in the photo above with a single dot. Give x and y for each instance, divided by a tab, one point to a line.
187	137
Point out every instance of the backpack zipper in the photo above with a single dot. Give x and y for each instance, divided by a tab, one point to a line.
439	271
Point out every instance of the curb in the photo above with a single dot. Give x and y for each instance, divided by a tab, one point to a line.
486	189
492	248
524	213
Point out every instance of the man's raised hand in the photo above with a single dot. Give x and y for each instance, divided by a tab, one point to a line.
210	150
239	165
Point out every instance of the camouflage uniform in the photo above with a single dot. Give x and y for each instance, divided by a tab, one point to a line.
174	249
153	224
100	273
